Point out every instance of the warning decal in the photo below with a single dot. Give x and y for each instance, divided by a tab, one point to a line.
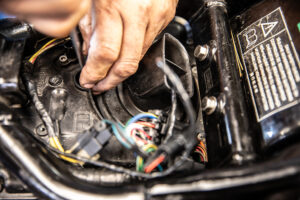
272	64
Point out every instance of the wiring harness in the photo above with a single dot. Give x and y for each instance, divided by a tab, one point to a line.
152	159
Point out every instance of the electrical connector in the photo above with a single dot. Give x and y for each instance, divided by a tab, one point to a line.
90	142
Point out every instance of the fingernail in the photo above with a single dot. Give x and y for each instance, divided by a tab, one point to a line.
88	85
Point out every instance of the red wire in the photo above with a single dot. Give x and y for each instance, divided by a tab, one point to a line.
155	163
201	158
148	124
200	148
144	132
140	139
202	151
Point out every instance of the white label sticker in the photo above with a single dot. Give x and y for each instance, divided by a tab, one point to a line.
272	64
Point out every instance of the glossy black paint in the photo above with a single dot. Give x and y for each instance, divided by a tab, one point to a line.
21	154
282	128
229	136
48	176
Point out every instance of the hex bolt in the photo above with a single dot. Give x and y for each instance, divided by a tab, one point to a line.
201	52
99	126
55	81
200	136
63	59
41	130
209	104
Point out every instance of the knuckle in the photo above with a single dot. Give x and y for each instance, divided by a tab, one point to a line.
93	74
167	11
107	10
126	68
105	87
144	6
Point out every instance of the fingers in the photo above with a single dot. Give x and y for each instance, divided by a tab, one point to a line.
85	26
57	28
153	30
104	48
127	64
44	8
52	17
123	32
163	16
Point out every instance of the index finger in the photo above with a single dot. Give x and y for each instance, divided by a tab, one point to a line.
130	55
104	48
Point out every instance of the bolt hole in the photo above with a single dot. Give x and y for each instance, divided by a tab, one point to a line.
41	130
77	84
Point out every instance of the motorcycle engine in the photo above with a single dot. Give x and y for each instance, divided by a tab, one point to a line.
211	111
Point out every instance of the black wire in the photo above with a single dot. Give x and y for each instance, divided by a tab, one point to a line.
50	128
189	138
102	164
178	87
39	105
183	95
133	147
172	115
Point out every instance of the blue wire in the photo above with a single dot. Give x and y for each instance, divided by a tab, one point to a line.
159	167
128	138
140	116
117	134
132	120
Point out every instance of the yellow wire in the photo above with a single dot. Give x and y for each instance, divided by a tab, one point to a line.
55	143
148	146
241	68
204	153
151	114
140	160
139	163
41	50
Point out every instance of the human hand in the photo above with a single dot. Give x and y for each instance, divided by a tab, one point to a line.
117	34
52	17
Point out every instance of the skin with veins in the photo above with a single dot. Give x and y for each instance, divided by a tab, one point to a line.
117	33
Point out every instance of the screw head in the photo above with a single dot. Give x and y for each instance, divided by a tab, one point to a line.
41	130
201	52
209	104
99	126
200	136
55	81
63	59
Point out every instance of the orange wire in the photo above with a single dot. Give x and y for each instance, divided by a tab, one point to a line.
199	148
155	163
148	124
